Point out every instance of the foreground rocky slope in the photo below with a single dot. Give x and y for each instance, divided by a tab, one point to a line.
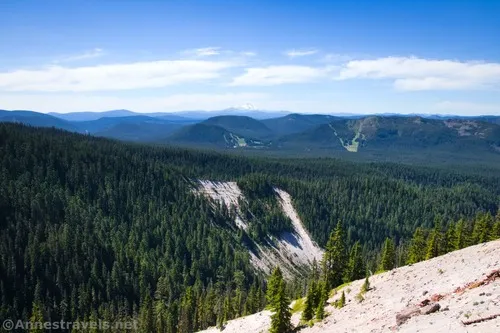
457	292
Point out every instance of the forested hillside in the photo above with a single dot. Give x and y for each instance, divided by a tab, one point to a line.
415	139
95	228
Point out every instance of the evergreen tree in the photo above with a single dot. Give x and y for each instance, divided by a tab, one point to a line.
356	268
334	258
461	237
146	316
323	298
417	248
341	300
36	319
308	312
320	311
388	255
435	240
280	319
451	239
366	285
482	228
161	314
273	286
495	231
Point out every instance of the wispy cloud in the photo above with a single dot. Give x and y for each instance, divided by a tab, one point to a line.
275	75
413	74
300	53
64	102
203	51
248	54
94	53
137	75
337	58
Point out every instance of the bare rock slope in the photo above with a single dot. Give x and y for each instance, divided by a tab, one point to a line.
290	250
457	292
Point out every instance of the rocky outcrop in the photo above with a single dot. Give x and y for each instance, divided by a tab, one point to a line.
457	293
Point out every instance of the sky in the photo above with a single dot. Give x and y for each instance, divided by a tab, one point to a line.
365	56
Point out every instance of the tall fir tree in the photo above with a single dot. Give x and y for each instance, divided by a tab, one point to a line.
450	238
495	231
281	318
146	316
366	285
311	301
482	228
323	298
435	240
335	259
36	319
417	249
273	286
355	268
388	258
308	312
461	236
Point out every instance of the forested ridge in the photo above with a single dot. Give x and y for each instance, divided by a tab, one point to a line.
95	228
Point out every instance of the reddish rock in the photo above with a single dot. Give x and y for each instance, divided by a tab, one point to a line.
436	297
424	302
406	314
430	308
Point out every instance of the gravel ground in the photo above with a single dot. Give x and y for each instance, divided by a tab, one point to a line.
404	288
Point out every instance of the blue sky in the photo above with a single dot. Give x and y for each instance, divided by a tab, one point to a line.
301	56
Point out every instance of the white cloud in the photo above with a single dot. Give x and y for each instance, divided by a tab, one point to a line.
95	53
300	53
203	51
137	75
72	102
467	108
275	75
248	53
411	73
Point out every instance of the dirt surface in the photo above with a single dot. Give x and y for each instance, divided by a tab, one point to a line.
465	284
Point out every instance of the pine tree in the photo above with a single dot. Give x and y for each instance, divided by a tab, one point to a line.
273	286
451	239
461	238
323	298
280	319
495	231
146	316
435	240
341	300
356	268
432	246
482	228
36	318
161	312
388	255
308	312
366	285
334	258
416	251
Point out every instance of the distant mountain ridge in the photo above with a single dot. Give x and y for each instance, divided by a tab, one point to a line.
374	137
179	115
